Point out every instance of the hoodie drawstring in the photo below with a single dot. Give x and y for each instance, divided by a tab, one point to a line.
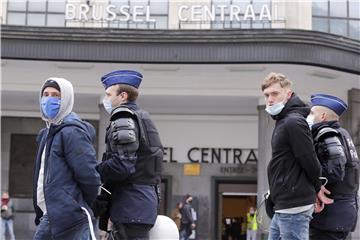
91	226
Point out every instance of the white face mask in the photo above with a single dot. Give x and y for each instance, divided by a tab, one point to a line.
310	120
275	109
107	105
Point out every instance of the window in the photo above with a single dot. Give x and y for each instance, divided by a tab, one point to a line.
338	26
338	8
56	6
320	8
354	29
14	18
37	6
320	24
354	9
36	19
36	12
337	17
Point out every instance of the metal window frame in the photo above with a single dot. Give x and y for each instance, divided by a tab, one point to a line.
328	17
27	12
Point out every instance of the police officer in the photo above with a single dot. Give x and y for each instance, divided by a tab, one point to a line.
131	166
340	165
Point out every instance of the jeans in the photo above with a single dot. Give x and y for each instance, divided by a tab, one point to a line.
7	224
250	234
290	226
43	231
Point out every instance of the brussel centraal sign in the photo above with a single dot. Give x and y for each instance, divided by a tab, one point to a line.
185	13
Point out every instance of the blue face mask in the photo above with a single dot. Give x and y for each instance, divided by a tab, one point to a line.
107	105
50	106
275	109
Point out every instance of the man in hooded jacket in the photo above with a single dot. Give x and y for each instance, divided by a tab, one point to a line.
293	171
65	179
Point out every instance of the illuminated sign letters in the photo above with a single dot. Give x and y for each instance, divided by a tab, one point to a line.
214	155
186	13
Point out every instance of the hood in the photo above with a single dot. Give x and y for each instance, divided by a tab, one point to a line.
295	104
73	119
66	102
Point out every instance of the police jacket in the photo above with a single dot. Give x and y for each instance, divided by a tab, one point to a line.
340	164
294	170
131	166
70	178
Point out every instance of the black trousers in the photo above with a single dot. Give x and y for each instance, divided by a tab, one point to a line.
185	231
316	234
130	231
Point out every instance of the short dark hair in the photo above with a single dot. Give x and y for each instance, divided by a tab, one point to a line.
132	92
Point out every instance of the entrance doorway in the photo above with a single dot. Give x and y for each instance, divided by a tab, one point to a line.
235	206
233	201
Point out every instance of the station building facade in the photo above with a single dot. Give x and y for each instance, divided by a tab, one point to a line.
203	63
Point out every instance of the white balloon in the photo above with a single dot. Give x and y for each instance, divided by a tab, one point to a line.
164	228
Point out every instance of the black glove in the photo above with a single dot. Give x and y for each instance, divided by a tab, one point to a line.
101	204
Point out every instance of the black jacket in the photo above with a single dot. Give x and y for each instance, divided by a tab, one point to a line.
132	201
341	216
294	170
186	214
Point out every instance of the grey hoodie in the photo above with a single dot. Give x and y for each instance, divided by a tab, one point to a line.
66	105
67	100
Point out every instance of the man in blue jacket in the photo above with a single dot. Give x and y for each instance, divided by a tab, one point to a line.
65	179
132	163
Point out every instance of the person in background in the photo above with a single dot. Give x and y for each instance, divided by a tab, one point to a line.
176	214
340	165
235	229
251	225
187	221
7	216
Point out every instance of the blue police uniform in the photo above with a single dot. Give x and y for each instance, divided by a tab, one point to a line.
340	165
131	166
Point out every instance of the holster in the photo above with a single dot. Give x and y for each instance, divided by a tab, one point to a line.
118	232
104	220
269	205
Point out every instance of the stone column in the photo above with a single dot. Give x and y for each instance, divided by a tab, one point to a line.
266	126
